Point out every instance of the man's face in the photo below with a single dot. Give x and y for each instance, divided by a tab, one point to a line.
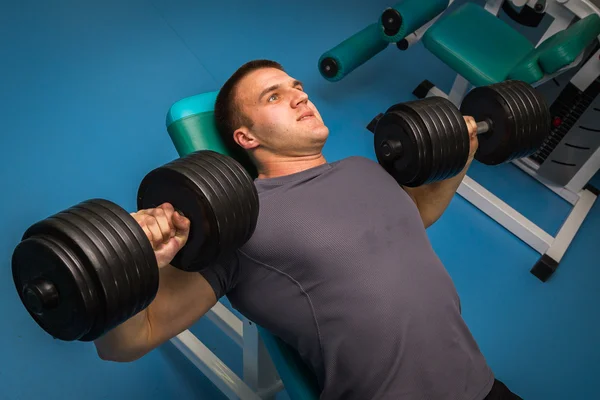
285	122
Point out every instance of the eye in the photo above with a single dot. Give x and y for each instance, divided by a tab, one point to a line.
273	97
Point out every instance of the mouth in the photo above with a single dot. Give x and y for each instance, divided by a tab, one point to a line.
306	115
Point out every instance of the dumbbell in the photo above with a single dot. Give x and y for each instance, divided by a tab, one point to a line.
89	268
424	141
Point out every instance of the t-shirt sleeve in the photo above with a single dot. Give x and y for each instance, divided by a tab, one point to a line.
223	275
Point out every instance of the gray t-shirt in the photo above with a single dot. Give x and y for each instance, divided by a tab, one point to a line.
341	268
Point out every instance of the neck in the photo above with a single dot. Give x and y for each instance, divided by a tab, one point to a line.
281	166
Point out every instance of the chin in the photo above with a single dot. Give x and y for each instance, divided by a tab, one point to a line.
321	131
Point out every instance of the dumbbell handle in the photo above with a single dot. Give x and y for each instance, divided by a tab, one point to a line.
483	127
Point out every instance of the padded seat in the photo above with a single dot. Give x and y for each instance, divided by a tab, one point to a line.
485	50
191	126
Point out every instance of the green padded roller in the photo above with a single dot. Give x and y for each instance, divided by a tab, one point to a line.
351	53
191	126
407	16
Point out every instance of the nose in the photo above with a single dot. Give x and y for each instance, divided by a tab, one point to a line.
300	98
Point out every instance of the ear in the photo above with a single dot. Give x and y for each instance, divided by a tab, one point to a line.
244	137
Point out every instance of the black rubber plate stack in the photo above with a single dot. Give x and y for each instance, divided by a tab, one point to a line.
76	275
411	166
434	141
449	135
135	253
519	117
486	103
539	120
429	126
218	197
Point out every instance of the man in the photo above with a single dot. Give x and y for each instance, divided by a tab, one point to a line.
340	265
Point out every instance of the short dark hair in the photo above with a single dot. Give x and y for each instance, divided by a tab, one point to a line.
228	113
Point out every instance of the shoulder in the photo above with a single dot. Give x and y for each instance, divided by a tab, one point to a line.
363	165
358	161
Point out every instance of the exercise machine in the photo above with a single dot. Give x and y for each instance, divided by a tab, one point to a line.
483	49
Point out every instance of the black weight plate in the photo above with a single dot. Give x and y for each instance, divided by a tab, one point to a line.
516	135
232	224
457	136
484	103
426	167
461	126
452	135
419	130
519	113
173	183
394	126
530	120
150	266
432	127
90	258
244	176
421	168
442	140
96	308
536	124
239	221
519	117
131	252
122	257
234	186
112	263
543	117
67	314
249	191
218	207
246	193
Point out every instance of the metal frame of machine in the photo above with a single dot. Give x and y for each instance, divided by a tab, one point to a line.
583	74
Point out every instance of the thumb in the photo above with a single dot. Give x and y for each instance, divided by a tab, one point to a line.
181	224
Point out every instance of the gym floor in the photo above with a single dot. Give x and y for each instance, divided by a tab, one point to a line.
85	91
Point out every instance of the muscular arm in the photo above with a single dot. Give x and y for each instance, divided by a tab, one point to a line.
433	199
182	299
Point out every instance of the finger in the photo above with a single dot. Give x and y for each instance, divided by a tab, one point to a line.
148	233
183	229
141	220
165	225
169	210
182	224
157	237
471	124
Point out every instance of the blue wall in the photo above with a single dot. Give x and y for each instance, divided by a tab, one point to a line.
84	89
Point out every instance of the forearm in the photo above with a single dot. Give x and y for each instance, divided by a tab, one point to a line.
433	199
126	342
181	300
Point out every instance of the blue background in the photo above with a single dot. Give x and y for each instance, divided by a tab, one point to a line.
84	90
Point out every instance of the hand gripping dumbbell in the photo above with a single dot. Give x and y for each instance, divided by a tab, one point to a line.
87	269
424	141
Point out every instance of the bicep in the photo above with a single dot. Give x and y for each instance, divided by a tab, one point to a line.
414	193
411	192
182	299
